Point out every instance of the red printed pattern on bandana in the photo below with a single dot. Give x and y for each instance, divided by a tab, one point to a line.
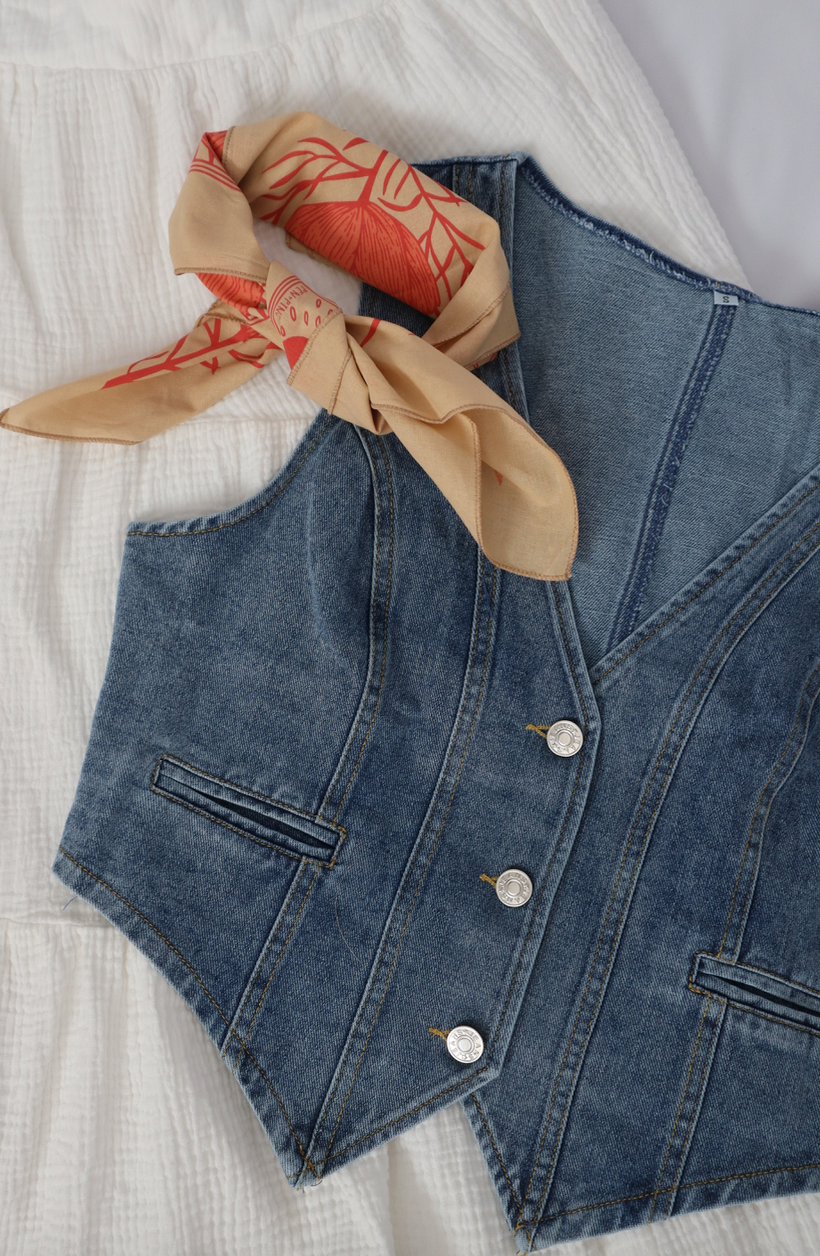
244	294
189	349
365	235
208	159
296	311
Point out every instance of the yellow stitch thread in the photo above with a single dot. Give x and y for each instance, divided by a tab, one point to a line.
300	873
204	987
680	1108
232	524
412	865
489	880
137	912
242	789
723	632
498	1154
266	1079
279	957
695	1107
328	1155
685	1186
386	614
708	585
540	729
782	756
654	813
440	1033
411	1112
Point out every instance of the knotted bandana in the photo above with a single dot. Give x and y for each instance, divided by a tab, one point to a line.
348	202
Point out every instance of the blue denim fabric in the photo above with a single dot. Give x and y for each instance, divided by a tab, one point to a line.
311	756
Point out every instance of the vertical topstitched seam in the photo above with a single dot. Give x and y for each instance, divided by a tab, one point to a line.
279	959
503	352
655	770
397	948
497	1152
566	820
511	988
666	472
707	1063
680	1108
371	635
384	637
470	666
782	755
661	795
723	571
232	1034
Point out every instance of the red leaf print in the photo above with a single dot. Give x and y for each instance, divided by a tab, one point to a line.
369	243
216	141
243	294
176	358
293	347
374	323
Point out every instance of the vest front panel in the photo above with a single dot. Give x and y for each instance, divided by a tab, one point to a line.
320	741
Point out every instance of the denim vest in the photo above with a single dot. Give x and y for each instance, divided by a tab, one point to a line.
321	738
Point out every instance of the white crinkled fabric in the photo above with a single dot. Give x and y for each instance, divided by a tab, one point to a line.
121	1133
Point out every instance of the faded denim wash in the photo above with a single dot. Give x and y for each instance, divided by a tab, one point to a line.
312	744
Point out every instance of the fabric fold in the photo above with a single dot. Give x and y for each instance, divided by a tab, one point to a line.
370	213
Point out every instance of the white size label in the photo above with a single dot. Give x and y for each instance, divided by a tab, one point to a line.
725	298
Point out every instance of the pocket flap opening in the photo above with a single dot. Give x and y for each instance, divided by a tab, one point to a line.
276	825
755	990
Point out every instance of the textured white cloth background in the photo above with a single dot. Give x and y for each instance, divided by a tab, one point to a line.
121	1133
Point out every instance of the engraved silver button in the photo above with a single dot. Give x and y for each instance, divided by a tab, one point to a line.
564	738
514	888
465	1044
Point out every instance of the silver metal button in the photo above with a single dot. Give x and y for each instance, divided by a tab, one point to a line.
564	738
465	1044
514	888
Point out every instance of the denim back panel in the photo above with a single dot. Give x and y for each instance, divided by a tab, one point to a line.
681	422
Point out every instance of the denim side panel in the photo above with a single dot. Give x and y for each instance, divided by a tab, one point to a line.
321	979
431	977
606	349
462	957
763	1107
652	1027
756	435
654	1041
782	933
226	639
603	1076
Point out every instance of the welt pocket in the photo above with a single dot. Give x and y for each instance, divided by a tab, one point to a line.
757	991
263	820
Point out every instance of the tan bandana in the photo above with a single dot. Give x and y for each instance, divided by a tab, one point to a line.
346	201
